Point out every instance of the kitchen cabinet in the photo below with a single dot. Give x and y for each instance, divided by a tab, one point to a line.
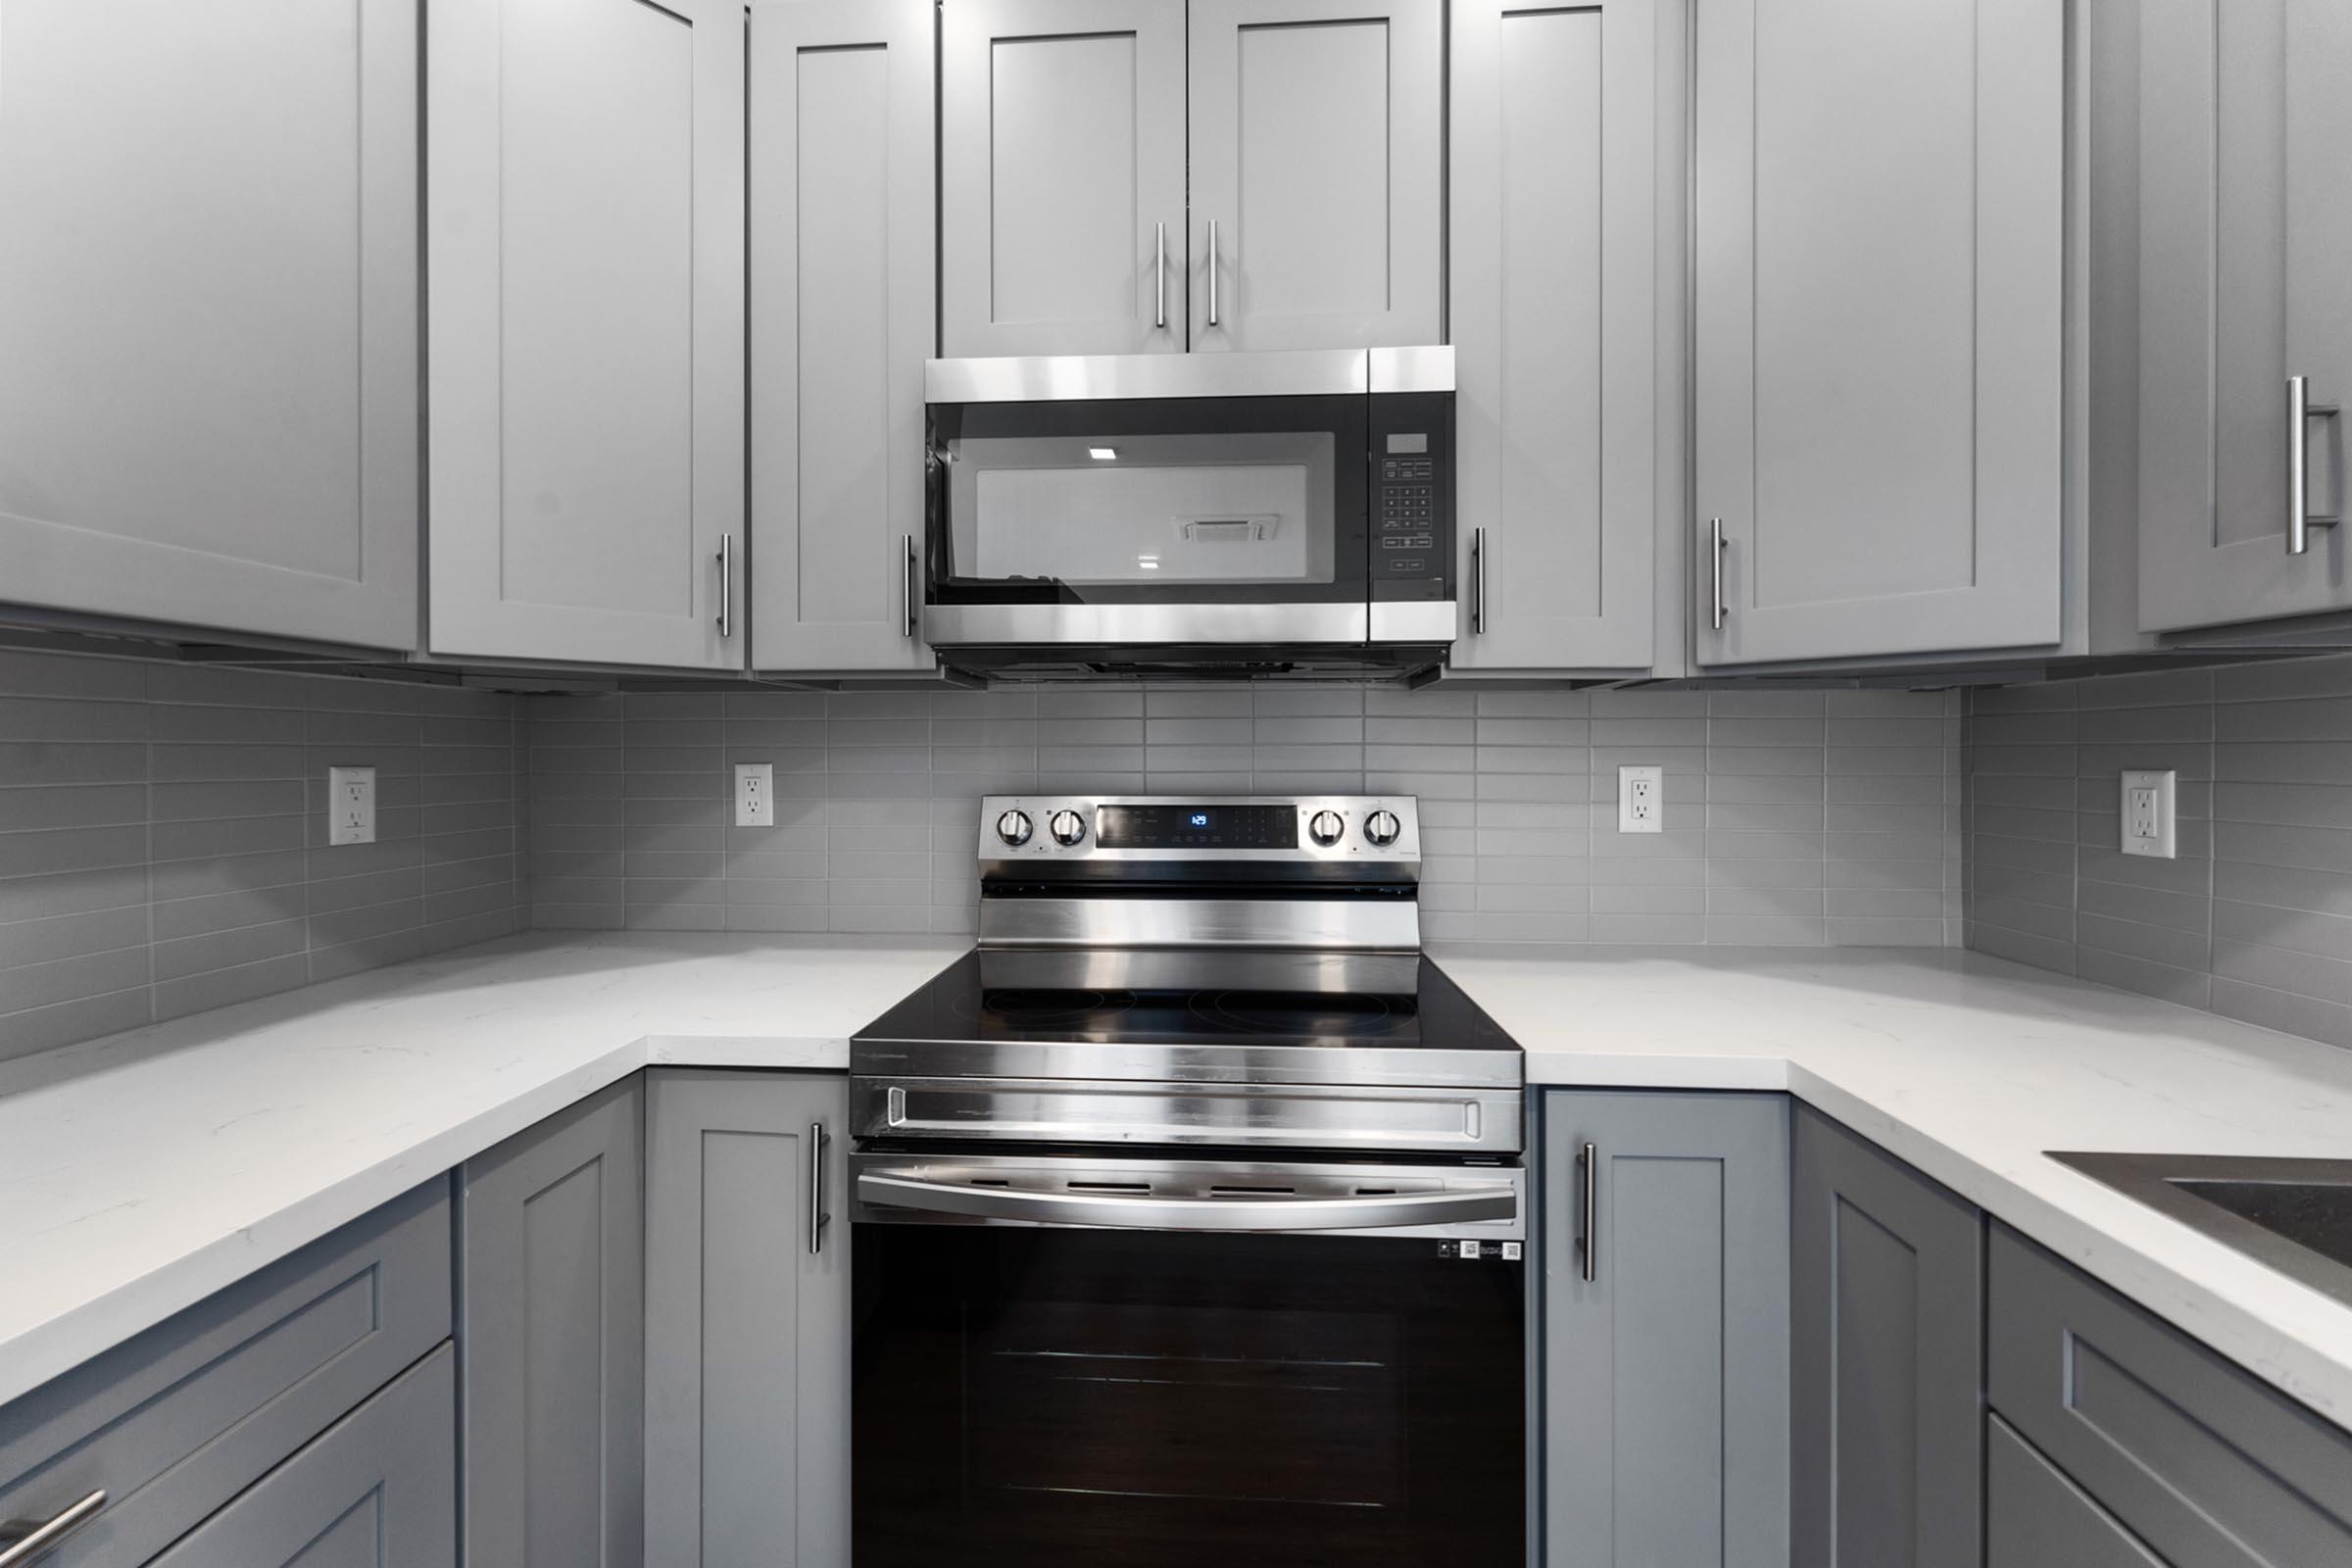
1666	1330
1886	1363
1317	130
379	1490
553	1327
2246	216
1556	196
843	316
208	372
2036	1517
747	1319
1062	179
2199	1460
1878	293
585	258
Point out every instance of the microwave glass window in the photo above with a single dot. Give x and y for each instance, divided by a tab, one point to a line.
1235	507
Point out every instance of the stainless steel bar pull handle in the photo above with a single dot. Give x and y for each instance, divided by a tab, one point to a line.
816	1188
1159	275
1188	1213
726	585
913	591
1589	1243
1715	551
2300	412
1212	272
1478	580
24	1539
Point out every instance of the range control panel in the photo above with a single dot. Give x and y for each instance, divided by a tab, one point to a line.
1027	827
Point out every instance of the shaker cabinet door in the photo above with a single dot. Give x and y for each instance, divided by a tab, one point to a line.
1061	178
843	316
1555	204
1879	253
1317	201
585	222
2245	220
208	314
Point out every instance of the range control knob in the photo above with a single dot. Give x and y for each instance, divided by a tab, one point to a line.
1013	828
1067	827
1382	829
1325	827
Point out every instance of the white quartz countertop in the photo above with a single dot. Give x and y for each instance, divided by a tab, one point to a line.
142	1172
1971	1068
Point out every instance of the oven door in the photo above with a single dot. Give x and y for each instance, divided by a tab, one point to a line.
1045	1378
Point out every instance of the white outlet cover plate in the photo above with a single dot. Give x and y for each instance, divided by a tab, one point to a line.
1638	783
754	795
2145	803
351	805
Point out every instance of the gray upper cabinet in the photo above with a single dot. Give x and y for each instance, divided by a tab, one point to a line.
208	314
1061	176
2245	222
1879	292
1887	1363
553	1294
1666	1371
585	255
1555	196
843	316
1317	201
747	1320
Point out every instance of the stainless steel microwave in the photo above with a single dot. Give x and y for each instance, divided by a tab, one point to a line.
1197	512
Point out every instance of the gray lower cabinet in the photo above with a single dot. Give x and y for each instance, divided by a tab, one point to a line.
551	1326
585	258
1877	290
1316	137
176	1421
1062	180
2245	218
209	314
2204	1464
843	316
376	1490
747	1323
1886	1364
2038	1518
1557	195
1666	1371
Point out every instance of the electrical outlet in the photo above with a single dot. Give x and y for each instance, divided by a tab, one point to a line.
351	805
1640	799
2146	808
754	795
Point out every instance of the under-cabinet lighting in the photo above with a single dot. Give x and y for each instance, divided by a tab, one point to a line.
1104	454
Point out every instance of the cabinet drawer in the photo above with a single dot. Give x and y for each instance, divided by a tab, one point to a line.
2034	1516
176	1422
2206	1464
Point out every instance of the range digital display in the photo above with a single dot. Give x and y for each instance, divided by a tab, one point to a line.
1194	828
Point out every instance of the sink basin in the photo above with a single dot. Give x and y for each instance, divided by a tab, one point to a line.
2294	1216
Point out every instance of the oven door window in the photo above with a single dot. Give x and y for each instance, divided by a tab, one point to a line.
1045	1398
1253	500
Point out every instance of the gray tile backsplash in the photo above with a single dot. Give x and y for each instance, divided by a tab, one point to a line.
163	835
1791	817
2253	919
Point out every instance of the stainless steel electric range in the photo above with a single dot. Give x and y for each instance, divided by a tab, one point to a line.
1188	1211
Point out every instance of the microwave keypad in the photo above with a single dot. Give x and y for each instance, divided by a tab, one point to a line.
1407	517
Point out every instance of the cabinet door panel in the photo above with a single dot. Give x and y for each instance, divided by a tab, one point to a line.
1555	197
1316	129
586	260
842	320
1666	1376
208	314
2036	1518
2243	220
747	1329
1879	325
554	1295
1063	163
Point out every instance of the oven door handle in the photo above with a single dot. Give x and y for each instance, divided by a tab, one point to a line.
1447	1207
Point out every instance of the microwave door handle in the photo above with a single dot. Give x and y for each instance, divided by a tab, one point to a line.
887	1190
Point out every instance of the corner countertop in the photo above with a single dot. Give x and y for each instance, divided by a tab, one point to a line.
141	1172
1970	1068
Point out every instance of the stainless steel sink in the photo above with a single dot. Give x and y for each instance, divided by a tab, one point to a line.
2294	1216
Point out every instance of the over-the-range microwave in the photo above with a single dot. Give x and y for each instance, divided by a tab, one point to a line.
1202	513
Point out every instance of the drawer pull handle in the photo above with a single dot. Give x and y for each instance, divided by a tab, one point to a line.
24	1539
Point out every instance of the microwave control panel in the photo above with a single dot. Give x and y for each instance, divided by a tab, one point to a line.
1412	494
